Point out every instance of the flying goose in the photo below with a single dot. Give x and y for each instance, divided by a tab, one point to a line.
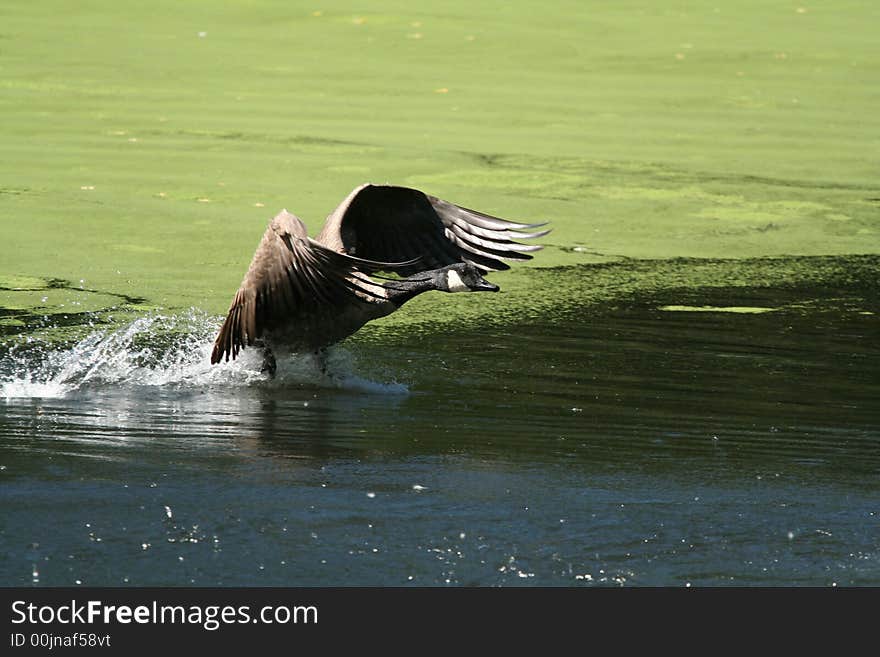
305	294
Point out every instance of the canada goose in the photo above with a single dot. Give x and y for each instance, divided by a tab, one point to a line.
306	294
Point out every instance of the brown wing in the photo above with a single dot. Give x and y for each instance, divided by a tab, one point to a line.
293	282
383	222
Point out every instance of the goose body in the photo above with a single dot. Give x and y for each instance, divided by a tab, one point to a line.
305	294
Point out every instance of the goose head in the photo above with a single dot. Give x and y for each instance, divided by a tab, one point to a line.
463	277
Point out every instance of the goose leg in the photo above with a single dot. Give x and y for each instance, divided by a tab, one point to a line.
321	357
269	365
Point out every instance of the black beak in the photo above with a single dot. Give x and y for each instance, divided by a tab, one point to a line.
485	286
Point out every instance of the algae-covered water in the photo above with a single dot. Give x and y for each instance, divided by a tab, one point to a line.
681	388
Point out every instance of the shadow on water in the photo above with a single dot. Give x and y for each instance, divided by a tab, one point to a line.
670	435
81	307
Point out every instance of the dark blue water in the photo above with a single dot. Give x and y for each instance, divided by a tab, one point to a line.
664	439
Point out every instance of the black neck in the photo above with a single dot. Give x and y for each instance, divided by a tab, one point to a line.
399	292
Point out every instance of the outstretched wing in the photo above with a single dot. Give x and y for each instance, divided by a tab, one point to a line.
294	283
383	222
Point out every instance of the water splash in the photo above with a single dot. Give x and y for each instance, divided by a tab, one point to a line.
160	350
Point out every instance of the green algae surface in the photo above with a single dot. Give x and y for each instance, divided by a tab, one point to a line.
146	146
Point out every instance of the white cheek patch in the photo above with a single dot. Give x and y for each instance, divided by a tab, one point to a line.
454	282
